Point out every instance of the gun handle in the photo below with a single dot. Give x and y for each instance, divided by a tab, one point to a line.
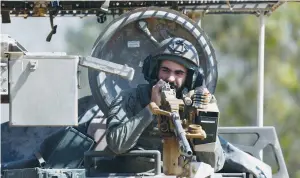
157	111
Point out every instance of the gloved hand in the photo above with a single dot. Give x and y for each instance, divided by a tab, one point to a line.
201	97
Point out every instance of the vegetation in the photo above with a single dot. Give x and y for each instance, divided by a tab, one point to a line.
238	36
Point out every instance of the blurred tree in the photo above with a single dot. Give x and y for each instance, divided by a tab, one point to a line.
238	35
235	38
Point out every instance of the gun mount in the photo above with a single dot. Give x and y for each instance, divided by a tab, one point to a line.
180	127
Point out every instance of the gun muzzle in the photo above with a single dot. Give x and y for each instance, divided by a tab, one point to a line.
184	145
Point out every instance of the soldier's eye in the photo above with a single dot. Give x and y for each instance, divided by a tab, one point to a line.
164	69
179	72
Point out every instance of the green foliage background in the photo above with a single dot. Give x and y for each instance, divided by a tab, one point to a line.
238	35
235	38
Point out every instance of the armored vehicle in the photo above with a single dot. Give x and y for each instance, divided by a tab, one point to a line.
70	132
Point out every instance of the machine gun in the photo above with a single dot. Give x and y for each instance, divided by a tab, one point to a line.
179	122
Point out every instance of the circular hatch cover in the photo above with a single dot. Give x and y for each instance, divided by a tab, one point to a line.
124	42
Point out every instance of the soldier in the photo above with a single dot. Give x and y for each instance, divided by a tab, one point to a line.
131	125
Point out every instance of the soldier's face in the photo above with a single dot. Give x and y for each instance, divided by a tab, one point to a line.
172	72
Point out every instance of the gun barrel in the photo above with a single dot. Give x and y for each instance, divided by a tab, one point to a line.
184	145
108	67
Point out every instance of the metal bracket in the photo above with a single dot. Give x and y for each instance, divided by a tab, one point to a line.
78	78
4	76
201	18
33	64
101	16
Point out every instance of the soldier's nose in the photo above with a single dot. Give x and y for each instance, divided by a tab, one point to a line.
171	78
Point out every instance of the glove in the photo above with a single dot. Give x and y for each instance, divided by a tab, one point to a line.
201	97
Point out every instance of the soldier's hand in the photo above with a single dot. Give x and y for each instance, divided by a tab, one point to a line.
201	97
156	92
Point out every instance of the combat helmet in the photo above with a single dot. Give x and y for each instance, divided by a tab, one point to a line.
180	51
